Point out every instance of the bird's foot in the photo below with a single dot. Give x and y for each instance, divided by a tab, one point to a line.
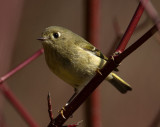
62	112
113	58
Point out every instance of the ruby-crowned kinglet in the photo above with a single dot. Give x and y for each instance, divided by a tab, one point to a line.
75	60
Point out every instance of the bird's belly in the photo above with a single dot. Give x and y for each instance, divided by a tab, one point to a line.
77	70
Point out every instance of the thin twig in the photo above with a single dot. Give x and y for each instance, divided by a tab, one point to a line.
16	104
119	35
130	28
51	114
22	65
137	44
50	107
150	9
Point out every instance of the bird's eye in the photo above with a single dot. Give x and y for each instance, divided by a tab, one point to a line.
56	35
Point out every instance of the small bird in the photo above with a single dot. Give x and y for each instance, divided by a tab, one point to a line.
75	60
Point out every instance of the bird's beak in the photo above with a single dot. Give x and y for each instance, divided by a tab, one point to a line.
42	39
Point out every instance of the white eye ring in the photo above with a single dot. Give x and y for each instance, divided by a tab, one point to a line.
56	35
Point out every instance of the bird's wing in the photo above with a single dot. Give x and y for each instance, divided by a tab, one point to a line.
95	51
89	47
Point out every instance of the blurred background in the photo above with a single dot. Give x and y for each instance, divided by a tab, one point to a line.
22	22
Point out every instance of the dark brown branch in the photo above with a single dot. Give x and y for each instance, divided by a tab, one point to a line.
82	96
94	83
112	63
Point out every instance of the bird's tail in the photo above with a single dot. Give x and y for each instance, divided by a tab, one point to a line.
118	83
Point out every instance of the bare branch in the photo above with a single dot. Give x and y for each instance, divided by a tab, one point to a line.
130	28
22	65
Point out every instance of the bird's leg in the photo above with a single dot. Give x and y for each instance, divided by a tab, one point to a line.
72	97
61	112
117	53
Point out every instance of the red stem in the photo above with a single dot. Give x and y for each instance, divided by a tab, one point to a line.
130	28
93	21
151	12
137	44
93	37
20	66
16	104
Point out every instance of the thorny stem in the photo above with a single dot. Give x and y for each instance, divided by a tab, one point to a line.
51	114
81	97
112	63
109	67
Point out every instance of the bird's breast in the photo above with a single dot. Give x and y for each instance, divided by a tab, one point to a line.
75	66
